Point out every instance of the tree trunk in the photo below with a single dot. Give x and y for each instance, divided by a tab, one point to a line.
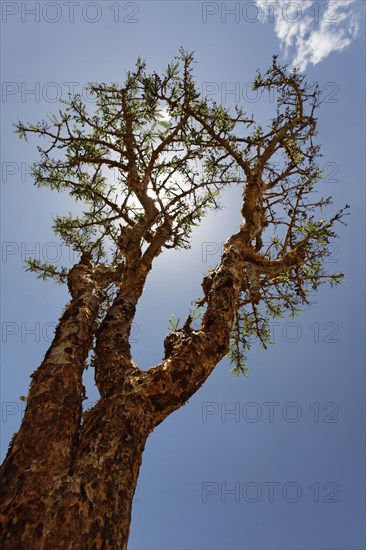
89	504
70	484
59	479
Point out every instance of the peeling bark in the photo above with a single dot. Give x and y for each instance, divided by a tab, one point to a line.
41	452
95	500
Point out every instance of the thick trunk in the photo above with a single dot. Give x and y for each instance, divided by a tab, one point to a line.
89	505
67	481
76	490
41	452
106	468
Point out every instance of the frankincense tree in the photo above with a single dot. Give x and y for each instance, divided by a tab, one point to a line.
146	165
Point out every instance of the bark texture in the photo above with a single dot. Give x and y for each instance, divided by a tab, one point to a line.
68	481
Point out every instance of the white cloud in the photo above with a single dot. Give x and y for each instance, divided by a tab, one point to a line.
310	31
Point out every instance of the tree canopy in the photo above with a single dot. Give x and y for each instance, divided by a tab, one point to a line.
150	160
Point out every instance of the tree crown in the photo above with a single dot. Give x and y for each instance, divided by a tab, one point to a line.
152	159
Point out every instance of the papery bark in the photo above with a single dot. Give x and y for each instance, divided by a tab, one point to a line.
41	452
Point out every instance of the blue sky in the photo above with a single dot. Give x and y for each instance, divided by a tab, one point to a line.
285	468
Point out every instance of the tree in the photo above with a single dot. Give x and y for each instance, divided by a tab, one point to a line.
171	152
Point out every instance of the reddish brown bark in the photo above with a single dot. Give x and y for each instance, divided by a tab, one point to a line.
68	484
41	454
